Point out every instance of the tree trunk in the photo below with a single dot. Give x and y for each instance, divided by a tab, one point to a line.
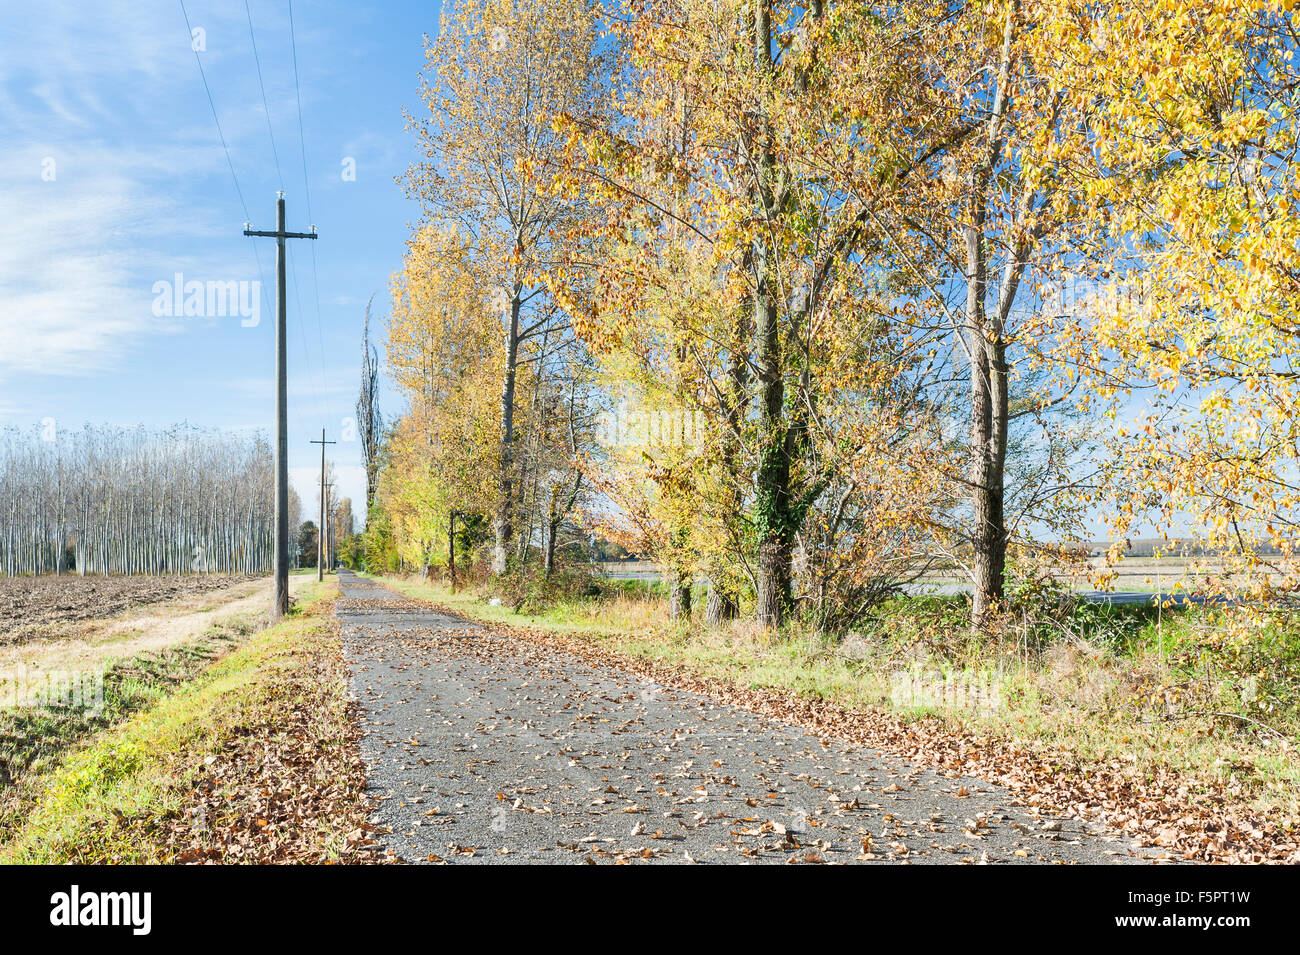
986	341
773	584
989	445
720	606
679	597
773	514
772	506
502	526
552	526
451	551
988	434
369	423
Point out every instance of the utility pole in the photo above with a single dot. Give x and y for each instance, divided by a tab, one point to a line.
281	606
320	538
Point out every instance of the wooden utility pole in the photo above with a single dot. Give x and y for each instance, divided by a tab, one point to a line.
320	537
281	606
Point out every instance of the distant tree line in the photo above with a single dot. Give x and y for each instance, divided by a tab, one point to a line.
133	501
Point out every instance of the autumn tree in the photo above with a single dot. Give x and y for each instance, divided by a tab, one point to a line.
835	237
978	201
445	358
744	230
1187	319
496	76
344	520
308	544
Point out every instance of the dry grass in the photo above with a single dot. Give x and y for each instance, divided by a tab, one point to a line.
134	660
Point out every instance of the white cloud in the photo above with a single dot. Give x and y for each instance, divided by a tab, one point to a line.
68	299
79	257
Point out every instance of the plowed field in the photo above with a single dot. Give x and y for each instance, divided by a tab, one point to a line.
31	603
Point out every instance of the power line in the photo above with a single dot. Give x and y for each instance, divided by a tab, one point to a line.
213	106
318	385
257	256
265	105
297	88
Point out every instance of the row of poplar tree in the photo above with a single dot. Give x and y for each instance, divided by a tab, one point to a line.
105	500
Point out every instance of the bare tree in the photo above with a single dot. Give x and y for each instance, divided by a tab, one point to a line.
369	422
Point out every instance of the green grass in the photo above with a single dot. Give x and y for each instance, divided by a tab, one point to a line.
167	712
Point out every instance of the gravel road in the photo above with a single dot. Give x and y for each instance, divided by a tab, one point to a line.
483	747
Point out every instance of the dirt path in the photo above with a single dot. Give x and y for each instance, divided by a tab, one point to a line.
483	747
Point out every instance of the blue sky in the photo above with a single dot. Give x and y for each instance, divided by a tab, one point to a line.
115	180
